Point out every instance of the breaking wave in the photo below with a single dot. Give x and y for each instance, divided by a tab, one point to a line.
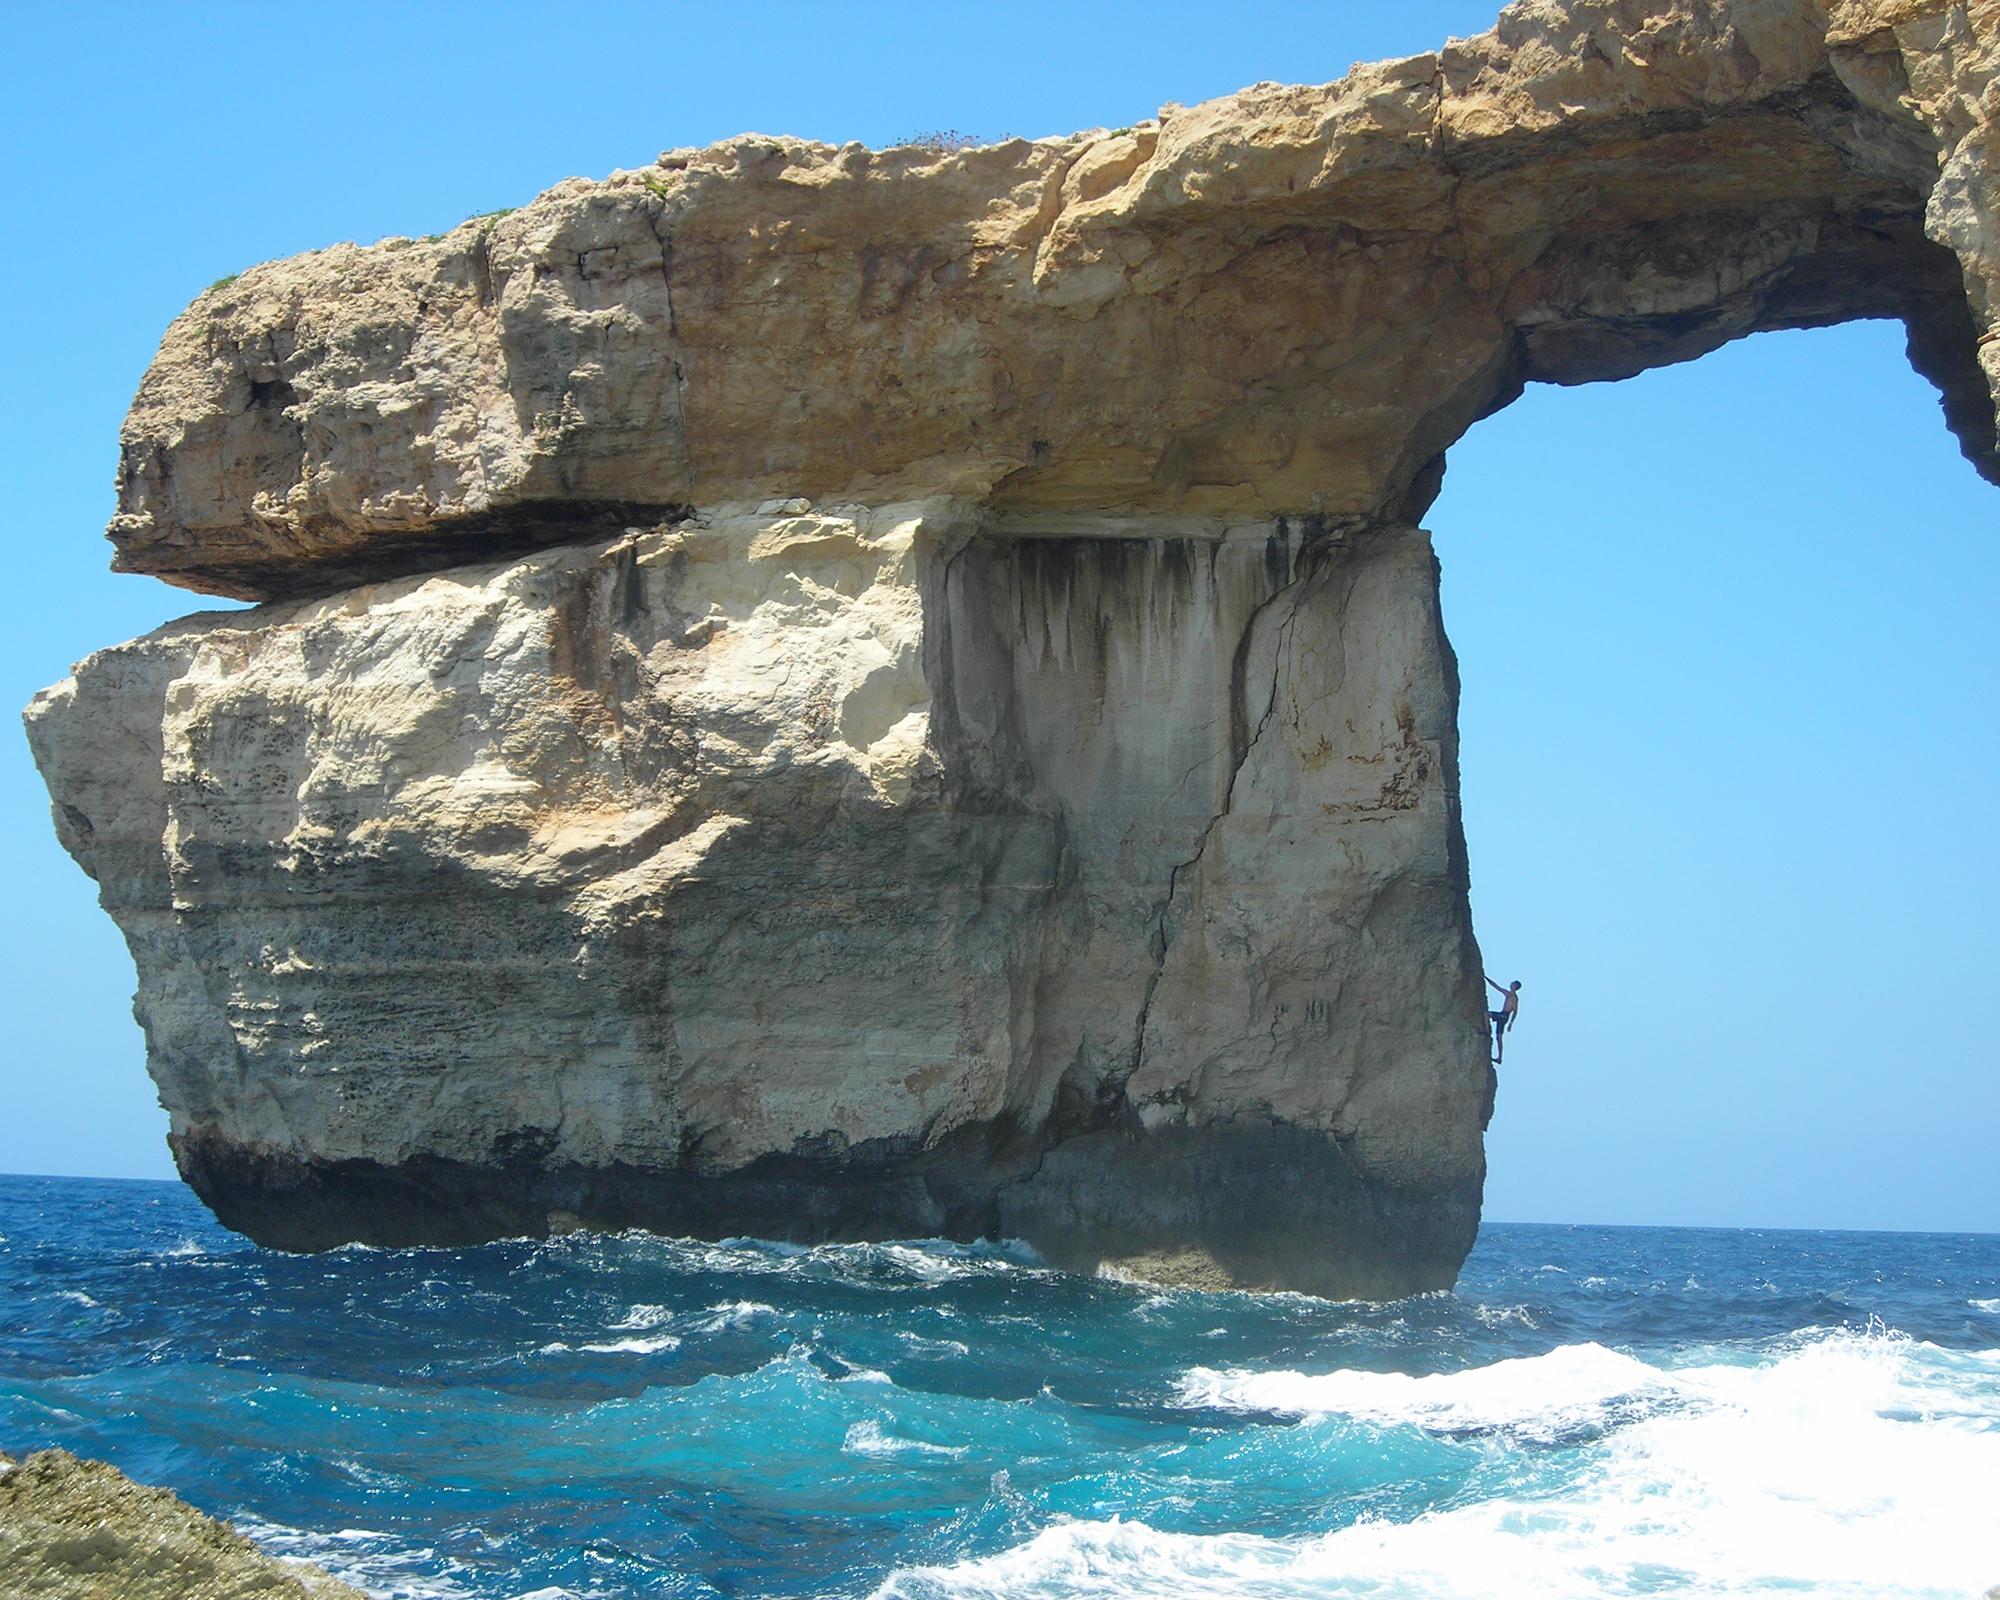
1852	1465
1545	1396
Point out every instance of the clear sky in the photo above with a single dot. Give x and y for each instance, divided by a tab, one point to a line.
1726	629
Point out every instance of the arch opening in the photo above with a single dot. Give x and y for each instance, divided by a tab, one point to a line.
1726	722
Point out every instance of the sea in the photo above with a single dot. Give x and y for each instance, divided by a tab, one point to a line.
1594	1411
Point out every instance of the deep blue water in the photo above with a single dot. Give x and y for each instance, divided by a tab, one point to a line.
1595	1411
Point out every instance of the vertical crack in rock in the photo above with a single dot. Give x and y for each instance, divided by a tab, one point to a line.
1163	936
655	217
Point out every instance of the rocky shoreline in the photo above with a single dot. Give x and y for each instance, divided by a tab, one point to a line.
72	1529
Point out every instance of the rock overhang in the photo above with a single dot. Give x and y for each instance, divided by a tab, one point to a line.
1289	300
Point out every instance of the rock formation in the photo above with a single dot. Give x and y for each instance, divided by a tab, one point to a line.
82	1530
827	692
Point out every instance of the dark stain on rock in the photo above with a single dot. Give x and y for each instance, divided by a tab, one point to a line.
447	542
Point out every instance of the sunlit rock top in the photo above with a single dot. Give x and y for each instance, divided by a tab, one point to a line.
1289	300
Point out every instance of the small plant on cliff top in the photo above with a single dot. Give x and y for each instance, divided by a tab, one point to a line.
943	141
224	282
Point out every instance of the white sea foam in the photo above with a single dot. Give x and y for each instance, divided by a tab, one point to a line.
1992	1306
613	1347
1848	1466
361	1472
763	1247
936	1347
871	1439
733	1314
1504	1316
1548	1394
370	1561
926	1260
641	1317
77	1297
634	1347
944	1260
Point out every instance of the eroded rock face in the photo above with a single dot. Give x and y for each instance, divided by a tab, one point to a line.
928	713
816	876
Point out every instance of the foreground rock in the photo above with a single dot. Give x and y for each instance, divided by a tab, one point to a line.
82	1530
931	715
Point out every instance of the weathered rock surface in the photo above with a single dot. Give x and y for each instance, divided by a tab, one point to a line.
1290	300
927	712
82	1530
813	875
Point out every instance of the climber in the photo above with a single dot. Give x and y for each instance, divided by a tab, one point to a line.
1503	1019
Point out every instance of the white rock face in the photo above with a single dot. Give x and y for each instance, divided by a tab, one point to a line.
820	873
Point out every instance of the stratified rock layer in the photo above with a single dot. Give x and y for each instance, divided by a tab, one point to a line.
929	713
814	876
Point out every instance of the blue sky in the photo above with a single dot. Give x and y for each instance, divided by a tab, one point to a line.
1725	629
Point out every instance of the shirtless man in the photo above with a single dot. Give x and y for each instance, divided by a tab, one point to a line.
1503	1019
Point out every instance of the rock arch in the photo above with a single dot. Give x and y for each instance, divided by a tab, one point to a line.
932	715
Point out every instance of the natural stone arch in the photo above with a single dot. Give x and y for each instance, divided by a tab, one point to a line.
1286	302
970	746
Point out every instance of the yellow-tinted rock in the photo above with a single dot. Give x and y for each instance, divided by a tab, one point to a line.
82	1530
1286	301
814	874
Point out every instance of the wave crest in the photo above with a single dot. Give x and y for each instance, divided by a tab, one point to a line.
1548	1395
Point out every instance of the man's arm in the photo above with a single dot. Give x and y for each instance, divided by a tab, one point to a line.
1494	987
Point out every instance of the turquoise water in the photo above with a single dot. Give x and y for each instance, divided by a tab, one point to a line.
1595	1411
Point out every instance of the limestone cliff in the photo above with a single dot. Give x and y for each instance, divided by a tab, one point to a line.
827	692
813	875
